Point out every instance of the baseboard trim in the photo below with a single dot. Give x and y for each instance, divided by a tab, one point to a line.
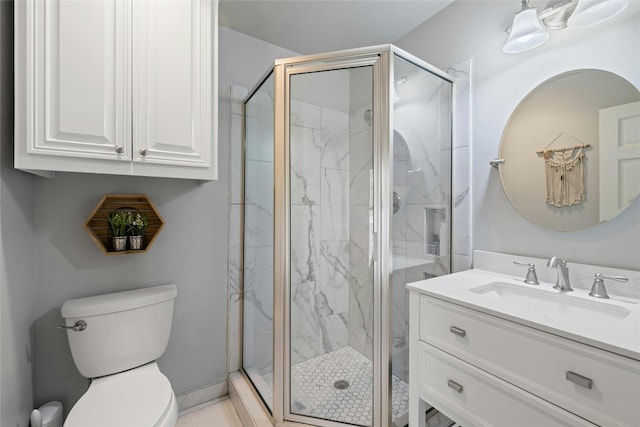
189	401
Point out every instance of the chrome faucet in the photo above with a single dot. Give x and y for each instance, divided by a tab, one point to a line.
562	283
531	278
598	290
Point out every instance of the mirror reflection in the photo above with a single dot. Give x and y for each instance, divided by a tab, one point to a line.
572	150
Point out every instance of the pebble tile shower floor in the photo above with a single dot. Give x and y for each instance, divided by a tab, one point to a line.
314	394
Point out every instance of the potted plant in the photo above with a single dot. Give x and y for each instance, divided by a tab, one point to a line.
119	222
138	224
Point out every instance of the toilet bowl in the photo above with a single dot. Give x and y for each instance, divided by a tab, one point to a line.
141	397
122	336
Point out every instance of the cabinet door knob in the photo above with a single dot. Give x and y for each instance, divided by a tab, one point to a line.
144	151
457	331
580	380
119	150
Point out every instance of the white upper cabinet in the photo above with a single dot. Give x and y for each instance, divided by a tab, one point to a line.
172	83
117	87
78	80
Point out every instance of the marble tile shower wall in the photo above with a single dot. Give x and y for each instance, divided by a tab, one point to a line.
320	229
422	177
461	238
361	279
256	269
420	186
399	296
258	234
425	128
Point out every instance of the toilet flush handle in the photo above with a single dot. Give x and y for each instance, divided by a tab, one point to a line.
80	325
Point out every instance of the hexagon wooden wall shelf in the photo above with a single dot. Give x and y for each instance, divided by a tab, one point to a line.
98	226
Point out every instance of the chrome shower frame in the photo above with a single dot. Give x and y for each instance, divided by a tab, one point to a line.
381	59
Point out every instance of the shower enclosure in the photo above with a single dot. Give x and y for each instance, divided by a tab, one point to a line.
347	198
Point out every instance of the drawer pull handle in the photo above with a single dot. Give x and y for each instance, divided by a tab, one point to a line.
579	379
457	331
455	386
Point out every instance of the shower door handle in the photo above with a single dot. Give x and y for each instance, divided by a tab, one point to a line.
373	236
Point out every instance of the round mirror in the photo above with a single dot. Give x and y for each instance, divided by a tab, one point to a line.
572	150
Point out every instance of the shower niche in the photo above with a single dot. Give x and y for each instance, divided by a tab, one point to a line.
435	230
347	198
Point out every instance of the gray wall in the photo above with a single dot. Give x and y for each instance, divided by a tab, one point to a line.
48	258
191	252
499	82
243	59
17	253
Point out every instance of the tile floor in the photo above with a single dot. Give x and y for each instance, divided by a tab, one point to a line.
220	414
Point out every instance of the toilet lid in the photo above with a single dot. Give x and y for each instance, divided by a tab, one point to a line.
140	397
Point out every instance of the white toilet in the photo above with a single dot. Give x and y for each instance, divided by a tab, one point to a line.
115	340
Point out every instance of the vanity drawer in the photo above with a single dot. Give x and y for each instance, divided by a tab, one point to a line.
473	397
541	363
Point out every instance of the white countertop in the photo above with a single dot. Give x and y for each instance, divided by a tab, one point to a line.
620	336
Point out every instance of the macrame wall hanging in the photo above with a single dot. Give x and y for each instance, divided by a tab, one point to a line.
564	173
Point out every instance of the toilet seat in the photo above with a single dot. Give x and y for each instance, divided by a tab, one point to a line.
141	397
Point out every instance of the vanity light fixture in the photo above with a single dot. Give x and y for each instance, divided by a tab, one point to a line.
592	12
529	28
526	32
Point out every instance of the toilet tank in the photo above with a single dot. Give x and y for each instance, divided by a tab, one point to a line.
123	329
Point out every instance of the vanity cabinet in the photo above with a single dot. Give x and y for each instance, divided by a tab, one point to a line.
480	369
117	87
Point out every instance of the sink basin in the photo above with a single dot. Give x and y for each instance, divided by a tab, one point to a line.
553	305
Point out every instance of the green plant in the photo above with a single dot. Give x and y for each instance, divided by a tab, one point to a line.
119	222
138	224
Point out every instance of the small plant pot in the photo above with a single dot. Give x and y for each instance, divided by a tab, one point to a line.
119	243
135	242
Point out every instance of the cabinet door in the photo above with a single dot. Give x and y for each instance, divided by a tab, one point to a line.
172	90
78	79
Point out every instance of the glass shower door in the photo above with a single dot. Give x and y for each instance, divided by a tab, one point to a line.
258	242
421	210
331	289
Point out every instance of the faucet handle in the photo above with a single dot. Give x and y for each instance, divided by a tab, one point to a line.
532	277
598	290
